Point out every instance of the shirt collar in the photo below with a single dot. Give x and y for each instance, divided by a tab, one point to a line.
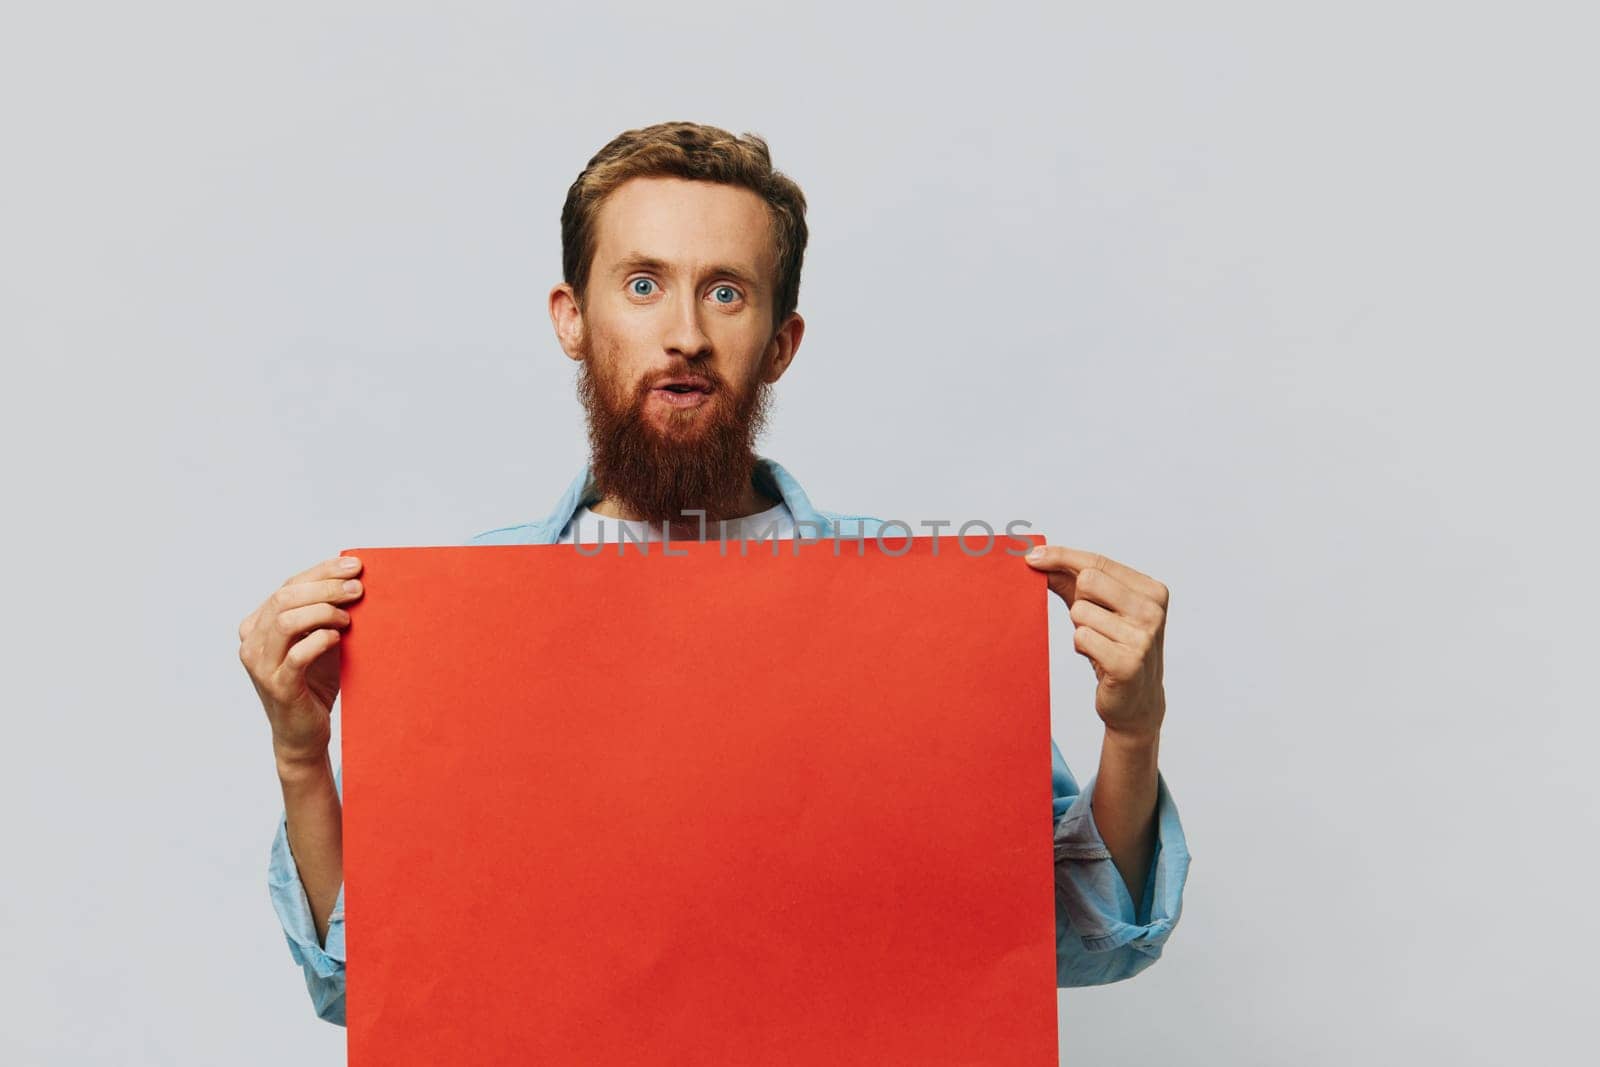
769	476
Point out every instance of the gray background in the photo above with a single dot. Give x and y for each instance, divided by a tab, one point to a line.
1291	308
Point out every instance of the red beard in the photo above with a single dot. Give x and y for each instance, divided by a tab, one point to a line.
702	459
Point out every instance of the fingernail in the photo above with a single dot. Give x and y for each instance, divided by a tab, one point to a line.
352	587
1036	554
349	563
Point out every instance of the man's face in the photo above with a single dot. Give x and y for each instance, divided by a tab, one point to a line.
676	343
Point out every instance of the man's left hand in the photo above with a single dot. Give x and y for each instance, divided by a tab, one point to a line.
1120	617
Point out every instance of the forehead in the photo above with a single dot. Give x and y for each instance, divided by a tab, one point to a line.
686	224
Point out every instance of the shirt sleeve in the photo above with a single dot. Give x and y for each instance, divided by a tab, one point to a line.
323	963
1101	935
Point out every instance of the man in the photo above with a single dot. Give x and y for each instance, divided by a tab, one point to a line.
681	260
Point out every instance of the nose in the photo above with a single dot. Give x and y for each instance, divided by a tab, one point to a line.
686	336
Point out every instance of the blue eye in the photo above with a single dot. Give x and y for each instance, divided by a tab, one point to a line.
637	282
733	294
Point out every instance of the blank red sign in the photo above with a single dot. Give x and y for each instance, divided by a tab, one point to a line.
702	809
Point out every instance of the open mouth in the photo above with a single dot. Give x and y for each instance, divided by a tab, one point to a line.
685	392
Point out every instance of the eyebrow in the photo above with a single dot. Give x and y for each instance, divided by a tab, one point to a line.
639	261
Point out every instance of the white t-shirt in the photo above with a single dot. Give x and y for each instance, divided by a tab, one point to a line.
776	523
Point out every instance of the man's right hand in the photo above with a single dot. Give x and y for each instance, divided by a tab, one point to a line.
290	647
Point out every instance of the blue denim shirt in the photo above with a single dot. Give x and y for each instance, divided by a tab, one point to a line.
1102	934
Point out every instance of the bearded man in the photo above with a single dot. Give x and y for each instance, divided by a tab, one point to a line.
681	255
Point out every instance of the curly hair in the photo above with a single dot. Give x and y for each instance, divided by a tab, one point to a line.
697	152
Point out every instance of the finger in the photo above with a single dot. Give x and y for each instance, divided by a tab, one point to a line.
1086	612
1076	560
334	567
296	622
276	633
1063	566
306	651
1096	586
1102	589
342	567
1111	659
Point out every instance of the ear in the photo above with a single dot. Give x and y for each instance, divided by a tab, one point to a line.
567	317
783	346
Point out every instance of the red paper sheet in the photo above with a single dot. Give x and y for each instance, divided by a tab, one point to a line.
709	809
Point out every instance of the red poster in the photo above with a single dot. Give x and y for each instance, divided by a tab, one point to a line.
701	809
